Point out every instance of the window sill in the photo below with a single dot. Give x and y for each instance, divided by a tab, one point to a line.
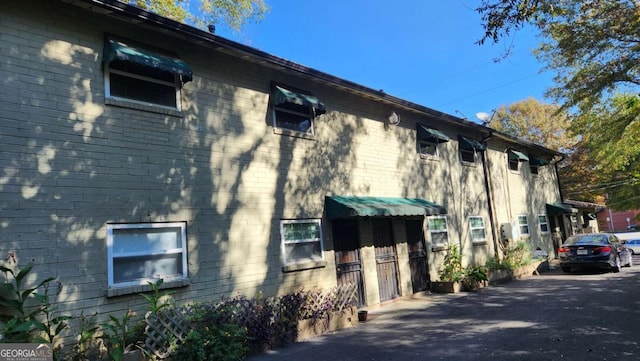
439	248
479	243
429	157
304	266
123	103
127	290
293	133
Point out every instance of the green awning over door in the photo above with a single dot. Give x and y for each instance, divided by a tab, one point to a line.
119	50
282	96
347	206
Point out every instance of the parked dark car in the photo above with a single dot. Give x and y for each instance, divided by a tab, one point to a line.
593	250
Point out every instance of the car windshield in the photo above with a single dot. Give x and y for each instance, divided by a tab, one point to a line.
586	239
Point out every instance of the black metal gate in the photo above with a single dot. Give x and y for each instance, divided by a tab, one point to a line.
417	255
348	265
386	260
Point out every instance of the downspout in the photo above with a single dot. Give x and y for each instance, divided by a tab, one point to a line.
555	166
489	191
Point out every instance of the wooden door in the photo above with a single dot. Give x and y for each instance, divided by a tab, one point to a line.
348	264
417	256
386	260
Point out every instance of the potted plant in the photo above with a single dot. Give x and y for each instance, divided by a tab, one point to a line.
451	274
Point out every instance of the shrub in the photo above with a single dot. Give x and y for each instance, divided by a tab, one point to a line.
213	343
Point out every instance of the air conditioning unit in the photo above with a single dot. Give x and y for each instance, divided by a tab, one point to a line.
509	231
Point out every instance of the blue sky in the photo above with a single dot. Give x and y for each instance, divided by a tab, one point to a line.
420	51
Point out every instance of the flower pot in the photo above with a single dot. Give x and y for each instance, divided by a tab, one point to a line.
362	315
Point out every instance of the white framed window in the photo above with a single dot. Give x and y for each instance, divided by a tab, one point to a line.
428	140
523	225
301	241
145	252
543	223
294	111
138	75
438	231
478	233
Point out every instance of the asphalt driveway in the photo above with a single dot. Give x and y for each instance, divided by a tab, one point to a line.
554	316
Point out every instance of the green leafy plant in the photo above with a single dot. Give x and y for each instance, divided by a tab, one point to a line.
154	299
118	335
474	276
21	323
517	255
215	343
87	336
53	324
452	270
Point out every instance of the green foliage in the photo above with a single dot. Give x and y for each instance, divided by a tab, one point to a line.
592	46
119	335
517	255
22	324
452	270
154	300
474	276
201	13
213	343
85	340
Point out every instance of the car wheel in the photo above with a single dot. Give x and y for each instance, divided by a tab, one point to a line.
566	269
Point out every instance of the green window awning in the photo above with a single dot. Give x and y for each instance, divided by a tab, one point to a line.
431	135
119	50
538	161
347	207
556	209
283	96
519	156
471	144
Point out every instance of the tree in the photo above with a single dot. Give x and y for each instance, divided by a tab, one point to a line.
593	45
539	123
201	13
610	132
547	125
594	48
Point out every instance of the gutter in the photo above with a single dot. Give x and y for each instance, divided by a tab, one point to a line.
125	12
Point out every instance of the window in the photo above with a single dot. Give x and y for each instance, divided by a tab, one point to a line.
143	252
469	148
535	163
135	74
523	225
428	140
543	223
301	241
294	111
534	168
477	229
438	230
515	158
